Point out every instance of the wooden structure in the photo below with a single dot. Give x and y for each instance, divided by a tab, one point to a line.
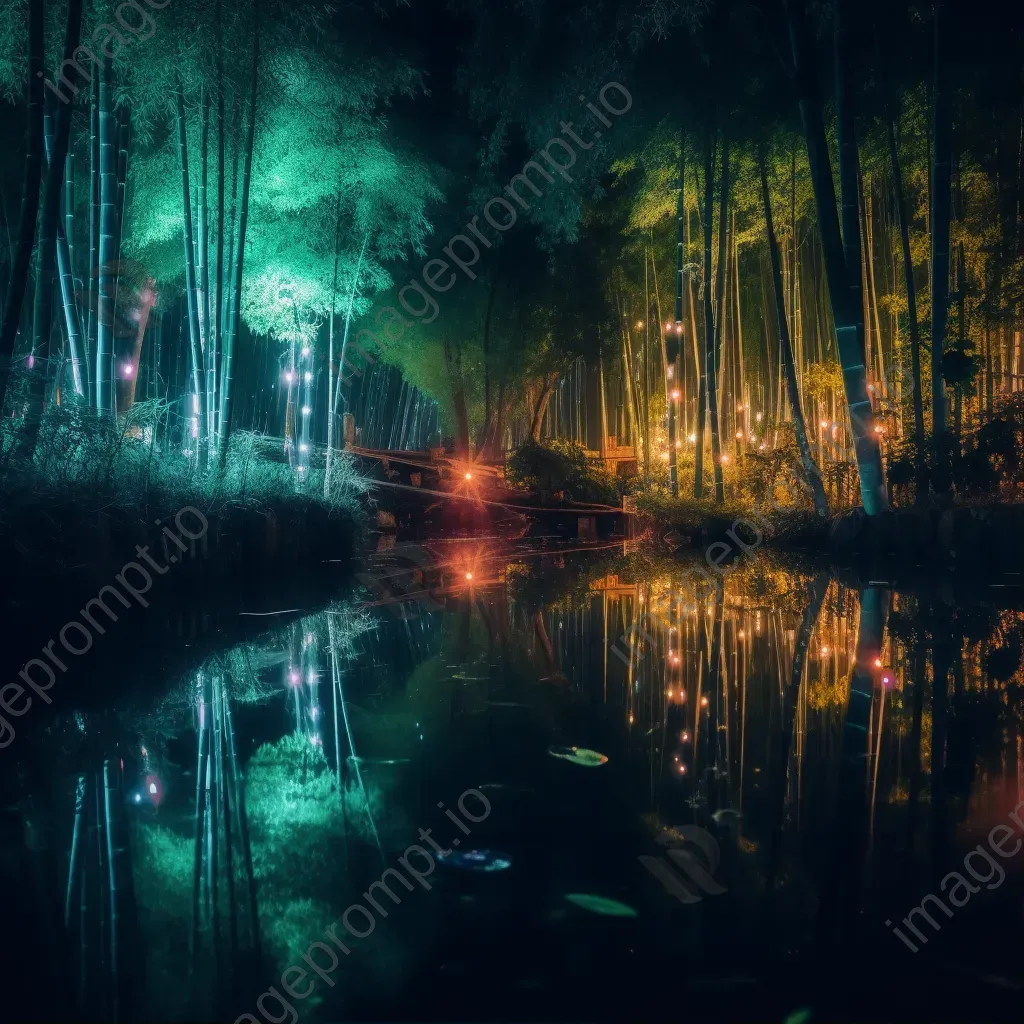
617	458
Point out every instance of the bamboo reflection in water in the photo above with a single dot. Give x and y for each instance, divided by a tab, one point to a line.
222	852
100	913
353	757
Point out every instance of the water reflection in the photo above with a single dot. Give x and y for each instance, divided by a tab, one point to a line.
842	745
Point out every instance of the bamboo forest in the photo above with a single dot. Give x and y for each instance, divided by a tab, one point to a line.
513	510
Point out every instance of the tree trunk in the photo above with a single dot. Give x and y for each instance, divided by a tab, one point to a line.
30	196
800	426
234	329
631	408
352	296
674	341
715	354
903	216
603	447
540	408
941	201
709	317
195	346
92	282
65	267
332	411
203	269
107	254
49	224
219	270
843	281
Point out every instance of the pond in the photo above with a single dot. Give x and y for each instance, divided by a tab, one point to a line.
520	780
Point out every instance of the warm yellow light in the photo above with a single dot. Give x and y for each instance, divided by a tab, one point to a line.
758	417
742	634
725	458
679	328
878	662
739	407
668	326
879	430
685	737
639	324
664	456
682	769
676	395
703	702
739	435
824	651
668	693
469	575
679	444
824	424
693	438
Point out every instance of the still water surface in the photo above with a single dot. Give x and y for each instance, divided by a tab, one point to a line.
768	776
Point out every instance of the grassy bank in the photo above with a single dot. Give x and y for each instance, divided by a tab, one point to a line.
101	507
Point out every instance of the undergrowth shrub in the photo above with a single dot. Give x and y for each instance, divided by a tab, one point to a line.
87	477
555	469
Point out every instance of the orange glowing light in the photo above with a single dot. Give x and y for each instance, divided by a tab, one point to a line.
878	662
469	476
676	395
469	575
703	702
